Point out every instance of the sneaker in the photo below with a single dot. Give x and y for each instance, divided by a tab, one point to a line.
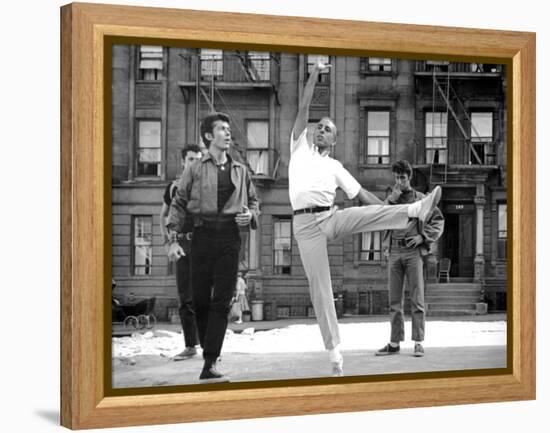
388	349
428	203
189	352
418	350
338	368
210	373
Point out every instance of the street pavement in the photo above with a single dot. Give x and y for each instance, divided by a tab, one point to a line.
152	370
160	370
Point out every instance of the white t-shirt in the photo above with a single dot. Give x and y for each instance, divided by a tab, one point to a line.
313	178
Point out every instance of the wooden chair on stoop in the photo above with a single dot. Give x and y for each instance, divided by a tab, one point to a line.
444	270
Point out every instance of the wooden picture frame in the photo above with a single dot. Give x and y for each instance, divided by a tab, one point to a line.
85	164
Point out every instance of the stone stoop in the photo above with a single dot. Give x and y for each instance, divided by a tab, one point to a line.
452	299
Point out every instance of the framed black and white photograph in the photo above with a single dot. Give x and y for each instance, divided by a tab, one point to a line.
447	119
289	219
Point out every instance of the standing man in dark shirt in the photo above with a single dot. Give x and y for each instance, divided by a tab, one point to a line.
407	248
218	193
189	154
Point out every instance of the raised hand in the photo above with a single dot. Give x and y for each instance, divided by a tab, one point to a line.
321	66
395	194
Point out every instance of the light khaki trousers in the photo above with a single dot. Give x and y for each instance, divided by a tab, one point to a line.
314	231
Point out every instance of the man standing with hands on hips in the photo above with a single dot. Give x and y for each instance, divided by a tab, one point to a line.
218	193
407	248
313	179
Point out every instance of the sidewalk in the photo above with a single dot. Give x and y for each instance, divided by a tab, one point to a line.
293	349
151	370
264	325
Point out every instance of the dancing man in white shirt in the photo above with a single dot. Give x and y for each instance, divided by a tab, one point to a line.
313	179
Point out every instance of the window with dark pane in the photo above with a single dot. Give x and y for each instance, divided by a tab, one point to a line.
142	245
211	64
150	62
149	148
312	60
257	146
502	236
436	137
481	133
378	137
379	64
282	245
259	65
371	246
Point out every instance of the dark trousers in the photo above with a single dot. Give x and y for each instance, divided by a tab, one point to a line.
406	262
185	294
214	266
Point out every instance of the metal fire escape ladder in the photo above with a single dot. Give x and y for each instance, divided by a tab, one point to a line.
474	129
247	66
443	90
444	93
211	98
241	130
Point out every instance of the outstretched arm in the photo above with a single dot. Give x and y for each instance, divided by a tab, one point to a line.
303	111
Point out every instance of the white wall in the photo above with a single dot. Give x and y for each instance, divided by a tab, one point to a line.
30	133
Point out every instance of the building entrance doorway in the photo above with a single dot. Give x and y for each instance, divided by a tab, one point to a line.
458	239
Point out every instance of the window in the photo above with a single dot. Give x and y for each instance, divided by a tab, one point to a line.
150	62
481	133
376	64
257	148
259	63
149	150
502	231
143	245
324	76
378	137
437	66
211	64
371	246
436	137
484	67
282	245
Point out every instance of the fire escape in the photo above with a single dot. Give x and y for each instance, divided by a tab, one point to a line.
444	91
245	73
453	142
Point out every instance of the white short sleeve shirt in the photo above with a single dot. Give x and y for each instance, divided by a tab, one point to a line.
313	178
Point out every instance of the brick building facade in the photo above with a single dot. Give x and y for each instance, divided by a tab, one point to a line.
447	119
